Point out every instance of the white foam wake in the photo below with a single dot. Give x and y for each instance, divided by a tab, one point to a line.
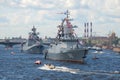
62	68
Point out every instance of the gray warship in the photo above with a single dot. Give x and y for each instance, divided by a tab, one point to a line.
66	46
33	44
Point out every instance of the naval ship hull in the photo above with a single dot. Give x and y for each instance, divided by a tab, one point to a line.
33	49
76	55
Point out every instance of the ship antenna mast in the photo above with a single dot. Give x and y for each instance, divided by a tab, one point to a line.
67	13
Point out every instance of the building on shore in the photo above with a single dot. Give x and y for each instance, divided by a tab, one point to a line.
109	41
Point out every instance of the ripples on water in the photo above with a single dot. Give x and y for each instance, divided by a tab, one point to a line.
15	65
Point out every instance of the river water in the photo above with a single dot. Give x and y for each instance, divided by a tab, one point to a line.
15	65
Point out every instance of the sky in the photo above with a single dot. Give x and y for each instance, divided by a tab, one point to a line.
17	17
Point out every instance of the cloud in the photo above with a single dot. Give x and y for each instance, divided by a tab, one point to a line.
3	19
43	13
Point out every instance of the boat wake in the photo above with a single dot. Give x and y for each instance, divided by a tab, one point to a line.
99	52
60	68
77	71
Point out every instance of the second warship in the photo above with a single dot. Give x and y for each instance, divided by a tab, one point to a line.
33	44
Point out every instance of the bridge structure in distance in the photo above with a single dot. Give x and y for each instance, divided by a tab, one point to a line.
9	43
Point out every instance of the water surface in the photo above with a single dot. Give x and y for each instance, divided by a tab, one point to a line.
15	65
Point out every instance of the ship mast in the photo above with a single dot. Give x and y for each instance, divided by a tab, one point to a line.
34	30
67	13
66	28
